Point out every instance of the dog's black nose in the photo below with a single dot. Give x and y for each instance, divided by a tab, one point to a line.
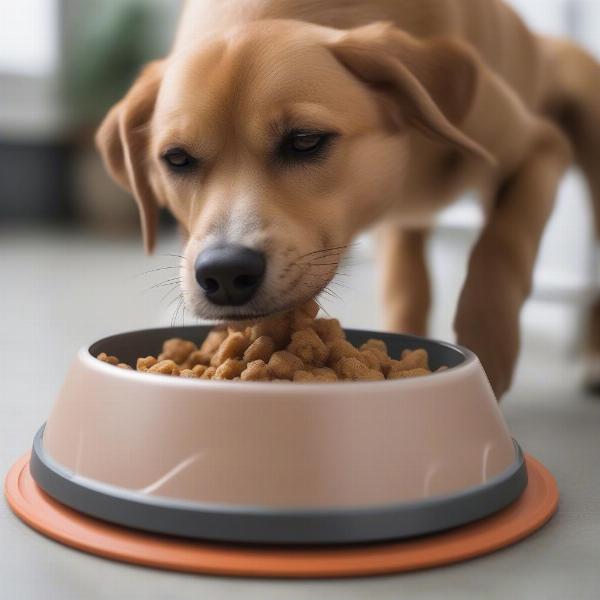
231	274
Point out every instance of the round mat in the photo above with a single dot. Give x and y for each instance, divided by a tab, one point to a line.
533	509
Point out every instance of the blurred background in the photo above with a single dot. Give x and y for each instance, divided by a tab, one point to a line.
70	249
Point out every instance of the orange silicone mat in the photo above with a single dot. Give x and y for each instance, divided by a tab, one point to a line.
535	507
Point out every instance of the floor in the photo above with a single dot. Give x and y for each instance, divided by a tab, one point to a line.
62	290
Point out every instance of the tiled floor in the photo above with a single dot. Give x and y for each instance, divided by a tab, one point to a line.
61	290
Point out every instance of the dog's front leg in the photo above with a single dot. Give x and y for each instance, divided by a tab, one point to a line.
405	278
501	264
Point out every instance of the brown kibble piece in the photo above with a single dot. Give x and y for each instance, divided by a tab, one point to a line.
303	317
177	350
341	348
165	367
329	330
111	360
260	349
208	373
207	349
213	340
370	358
385	361
321	375
379	349
408	373
325	373
232	346
229	369
143	364
188	373
355	370
276	327
256	370
308	347
304	377
411	359
199	357
198	370
283	365
372	343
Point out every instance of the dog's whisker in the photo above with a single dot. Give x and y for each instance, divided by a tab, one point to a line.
154	271
163	284
174	319
334	294
168	293
149	289
342	285
344	247
173	300
321	307
322	257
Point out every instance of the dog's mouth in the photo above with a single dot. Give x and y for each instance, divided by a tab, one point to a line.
278	282
249	314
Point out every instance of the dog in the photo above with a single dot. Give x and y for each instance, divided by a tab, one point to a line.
277	130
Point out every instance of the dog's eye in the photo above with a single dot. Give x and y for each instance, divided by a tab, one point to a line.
306	142
178	159
304	145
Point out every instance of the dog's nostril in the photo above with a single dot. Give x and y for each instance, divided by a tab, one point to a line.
209	285
230	275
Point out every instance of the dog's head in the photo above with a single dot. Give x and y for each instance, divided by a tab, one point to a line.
275	144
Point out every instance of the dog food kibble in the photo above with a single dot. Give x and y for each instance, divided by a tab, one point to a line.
256	370
187	373
409	373
329	330
295	346
177	350
308	347
230	369
260	349
355	370
111	360
143	364
316	375
233	345
166	367
283	364
411	359
208	373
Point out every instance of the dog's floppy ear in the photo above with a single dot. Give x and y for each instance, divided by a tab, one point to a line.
123	143
433	81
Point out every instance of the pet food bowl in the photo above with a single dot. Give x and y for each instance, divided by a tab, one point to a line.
278	463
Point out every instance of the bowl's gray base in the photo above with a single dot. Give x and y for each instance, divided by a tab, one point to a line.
265	525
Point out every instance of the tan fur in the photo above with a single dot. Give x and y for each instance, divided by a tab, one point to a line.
429	98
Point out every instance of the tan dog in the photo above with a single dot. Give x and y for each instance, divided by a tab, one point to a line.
276	130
